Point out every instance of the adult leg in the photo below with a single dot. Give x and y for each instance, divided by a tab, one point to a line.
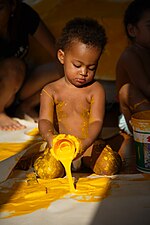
132	101
12	73
30	93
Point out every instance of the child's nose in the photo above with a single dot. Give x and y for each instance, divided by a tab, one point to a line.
83	71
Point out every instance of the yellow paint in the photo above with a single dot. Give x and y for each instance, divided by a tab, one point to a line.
60	113
84	126
33	132
20	196
26	196
141	121
65	148
47	167
9	149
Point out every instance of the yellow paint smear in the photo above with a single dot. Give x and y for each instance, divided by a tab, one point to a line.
22	197
33	132
9	149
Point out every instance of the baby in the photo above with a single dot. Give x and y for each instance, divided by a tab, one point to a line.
75	104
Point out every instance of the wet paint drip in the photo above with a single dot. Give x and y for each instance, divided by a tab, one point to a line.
65	149
65	152
67	164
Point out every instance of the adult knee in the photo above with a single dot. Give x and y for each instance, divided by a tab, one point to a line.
13	71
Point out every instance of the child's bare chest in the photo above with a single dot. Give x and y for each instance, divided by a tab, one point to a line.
73	105
70	104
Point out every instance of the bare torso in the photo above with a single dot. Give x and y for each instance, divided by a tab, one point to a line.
73	106
134	67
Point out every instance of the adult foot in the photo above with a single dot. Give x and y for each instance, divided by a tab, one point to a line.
8	124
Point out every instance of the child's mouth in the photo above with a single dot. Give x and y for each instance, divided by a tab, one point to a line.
81	80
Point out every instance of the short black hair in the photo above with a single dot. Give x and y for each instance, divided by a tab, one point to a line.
86	30
134	13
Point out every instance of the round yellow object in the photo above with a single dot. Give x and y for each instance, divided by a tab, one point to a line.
47	167
66	144
108	163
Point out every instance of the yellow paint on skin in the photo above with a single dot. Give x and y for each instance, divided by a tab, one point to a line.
84	127
60	112
86	115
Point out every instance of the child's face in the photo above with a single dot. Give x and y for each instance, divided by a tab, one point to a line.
80	63
142	30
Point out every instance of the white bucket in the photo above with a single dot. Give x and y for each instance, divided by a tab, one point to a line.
141	132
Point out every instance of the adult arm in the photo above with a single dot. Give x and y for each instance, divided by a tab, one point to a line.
44	36
36	27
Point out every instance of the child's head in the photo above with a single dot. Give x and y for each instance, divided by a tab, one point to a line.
79	48
133	15
85	30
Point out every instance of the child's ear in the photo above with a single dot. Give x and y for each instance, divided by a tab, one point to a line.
131	30
60	55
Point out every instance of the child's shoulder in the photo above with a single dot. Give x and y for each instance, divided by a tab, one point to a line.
97	85
54	84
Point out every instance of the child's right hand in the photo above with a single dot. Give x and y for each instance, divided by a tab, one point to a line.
50	141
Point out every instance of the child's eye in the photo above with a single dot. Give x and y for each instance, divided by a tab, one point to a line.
77	66
92	69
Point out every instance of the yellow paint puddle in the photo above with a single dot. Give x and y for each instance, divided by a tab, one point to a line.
18	197
22	196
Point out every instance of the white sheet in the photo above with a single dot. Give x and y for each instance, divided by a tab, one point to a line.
127	204
18	135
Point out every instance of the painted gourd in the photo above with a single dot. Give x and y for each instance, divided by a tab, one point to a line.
47	167
108	163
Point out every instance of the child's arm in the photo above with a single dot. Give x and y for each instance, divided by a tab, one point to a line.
97	112
45	123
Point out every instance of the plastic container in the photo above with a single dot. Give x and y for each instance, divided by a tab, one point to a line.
141	132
